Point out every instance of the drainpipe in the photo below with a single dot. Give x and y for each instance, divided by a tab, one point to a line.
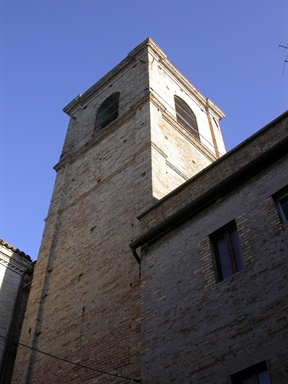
135	254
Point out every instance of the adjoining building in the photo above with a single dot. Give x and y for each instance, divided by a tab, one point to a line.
16	270
144	163
214	270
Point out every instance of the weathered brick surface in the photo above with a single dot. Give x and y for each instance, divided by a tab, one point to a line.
85	299
16	270
198	330
218	170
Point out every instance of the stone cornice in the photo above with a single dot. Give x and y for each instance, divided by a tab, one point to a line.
150	46
155	50
215	110
160	56
14	261
81	99
13	249
127	163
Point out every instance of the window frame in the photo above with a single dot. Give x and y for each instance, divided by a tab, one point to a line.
107	111
180	104
251	373
225	233
280	196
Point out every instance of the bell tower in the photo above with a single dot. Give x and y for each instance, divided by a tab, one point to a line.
134	136
185	130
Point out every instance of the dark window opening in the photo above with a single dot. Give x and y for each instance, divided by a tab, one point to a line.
107	112
258	374
228	252
282	204
185	116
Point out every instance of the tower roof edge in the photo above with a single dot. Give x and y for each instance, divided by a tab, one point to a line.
131	56
149	42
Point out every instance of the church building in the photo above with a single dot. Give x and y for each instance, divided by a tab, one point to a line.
134	282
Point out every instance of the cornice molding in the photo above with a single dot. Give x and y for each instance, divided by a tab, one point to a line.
5	244
185	83
130	160
147	46
17	264
154	146
80	100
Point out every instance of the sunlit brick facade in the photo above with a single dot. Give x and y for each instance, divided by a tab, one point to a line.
16	270
202	297
126	147
205	320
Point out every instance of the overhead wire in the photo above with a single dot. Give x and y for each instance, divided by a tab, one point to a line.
169	109
209	145
72	362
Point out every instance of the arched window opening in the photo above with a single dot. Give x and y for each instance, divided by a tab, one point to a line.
107	112
185	116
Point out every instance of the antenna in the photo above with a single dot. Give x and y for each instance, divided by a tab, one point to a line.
286	60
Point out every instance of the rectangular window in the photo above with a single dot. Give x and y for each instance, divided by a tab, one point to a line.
258	374
282	203
228	252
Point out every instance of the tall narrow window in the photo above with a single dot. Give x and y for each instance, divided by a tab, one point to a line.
107	112
185	116
257	374
228	252
282	203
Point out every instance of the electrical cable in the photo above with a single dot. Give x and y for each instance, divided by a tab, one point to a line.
71	362
169	109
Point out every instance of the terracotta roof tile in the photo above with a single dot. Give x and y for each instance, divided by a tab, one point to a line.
17	250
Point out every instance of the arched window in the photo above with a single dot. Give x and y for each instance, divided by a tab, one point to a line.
107	112
185	116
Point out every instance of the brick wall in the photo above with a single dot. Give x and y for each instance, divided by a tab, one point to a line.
196	329
216	172
86	293
15	276
85	300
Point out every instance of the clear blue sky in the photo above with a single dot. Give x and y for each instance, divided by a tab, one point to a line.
53	50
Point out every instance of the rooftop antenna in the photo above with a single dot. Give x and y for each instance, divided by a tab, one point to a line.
286	60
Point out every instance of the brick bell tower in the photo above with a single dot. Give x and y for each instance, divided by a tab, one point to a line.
134	136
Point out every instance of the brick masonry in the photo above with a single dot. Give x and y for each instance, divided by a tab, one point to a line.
85	298
16	269
196	329
218	171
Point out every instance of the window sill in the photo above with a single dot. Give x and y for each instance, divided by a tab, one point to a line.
232	276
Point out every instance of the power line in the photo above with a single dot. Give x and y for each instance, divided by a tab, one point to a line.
127	107
71	362
208	144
